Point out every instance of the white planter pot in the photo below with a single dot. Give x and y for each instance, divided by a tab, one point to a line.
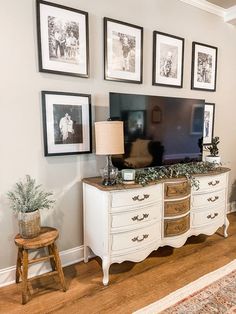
213	159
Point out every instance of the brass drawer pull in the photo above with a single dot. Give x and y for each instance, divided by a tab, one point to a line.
212	217
140	219
136	239
213	183
211	199
136	198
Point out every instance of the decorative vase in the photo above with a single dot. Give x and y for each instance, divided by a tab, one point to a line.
29	224
213	159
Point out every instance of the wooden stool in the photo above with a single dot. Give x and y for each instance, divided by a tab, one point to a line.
47	239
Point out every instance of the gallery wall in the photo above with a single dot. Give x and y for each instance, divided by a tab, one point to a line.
20	102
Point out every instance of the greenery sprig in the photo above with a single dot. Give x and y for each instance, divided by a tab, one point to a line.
27	197
188	170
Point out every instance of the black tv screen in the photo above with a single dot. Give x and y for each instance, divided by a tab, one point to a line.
158	130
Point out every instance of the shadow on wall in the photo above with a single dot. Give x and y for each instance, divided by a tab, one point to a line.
232	198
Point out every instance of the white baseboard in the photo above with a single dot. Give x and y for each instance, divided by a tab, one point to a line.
68	257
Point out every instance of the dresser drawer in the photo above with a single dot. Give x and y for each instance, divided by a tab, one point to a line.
136	238
207	216
137	197
174	227
177	189
208	199
211	183
136	217
175	208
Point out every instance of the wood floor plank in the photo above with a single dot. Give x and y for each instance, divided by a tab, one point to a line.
132	285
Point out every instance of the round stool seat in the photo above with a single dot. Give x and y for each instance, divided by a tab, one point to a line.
46	237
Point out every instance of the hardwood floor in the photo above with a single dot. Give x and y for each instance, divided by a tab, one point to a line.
132	285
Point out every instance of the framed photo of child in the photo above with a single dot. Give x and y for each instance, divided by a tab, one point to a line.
66	123
168	60
123	51
63	46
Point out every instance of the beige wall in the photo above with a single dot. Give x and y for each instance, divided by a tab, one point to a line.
21	122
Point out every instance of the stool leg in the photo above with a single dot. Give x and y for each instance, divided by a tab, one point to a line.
25	277
52	261
58	266
18	264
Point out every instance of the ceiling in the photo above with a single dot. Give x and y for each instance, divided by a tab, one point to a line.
224	3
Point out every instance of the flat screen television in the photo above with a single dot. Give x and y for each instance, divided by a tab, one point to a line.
158	130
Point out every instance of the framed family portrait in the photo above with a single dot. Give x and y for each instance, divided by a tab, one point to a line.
123	51
63	45
204	67
208	130
66	123
168	60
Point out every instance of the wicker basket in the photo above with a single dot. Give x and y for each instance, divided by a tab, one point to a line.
29	224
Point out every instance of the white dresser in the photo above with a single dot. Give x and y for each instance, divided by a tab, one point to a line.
128	222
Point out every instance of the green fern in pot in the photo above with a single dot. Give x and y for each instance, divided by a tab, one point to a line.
26	199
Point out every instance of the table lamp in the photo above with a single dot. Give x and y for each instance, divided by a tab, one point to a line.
109	136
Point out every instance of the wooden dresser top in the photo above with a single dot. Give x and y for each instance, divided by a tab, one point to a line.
97	181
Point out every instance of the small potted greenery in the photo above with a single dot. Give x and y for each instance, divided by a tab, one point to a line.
26	199
214	151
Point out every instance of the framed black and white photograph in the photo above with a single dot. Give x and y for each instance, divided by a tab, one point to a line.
168	60
66	123
204	67
63	46
208	130
123	51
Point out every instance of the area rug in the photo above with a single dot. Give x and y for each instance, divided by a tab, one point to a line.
212	293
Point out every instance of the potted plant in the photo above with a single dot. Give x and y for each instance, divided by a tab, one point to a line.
26	199
214	151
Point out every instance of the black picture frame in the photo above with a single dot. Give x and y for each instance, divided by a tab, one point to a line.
173	48
55	106
135	35
204	68
209	122
68	64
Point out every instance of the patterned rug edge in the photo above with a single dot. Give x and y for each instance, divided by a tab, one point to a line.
178	295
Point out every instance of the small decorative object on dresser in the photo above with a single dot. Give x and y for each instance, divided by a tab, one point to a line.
128	176
26	200
126	223
109	136
213	148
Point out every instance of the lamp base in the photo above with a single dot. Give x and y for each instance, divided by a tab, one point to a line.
108	183
109	173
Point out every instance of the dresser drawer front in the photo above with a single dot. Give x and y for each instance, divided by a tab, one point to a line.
137	197
174	208
136	238
207	216
136	217
177	189
175	227
211	183
208	199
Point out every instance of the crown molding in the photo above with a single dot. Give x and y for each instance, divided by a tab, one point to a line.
207	6
230	15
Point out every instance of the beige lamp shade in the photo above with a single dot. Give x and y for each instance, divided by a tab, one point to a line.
109	136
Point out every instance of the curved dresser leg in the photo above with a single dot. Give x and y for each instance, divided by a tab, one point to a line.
226	225
105	268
